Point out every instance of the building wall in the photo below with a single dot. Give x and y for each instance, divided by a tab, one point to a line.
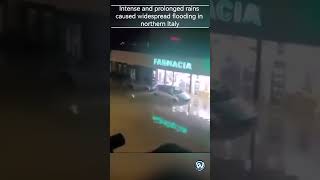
93	40
132	58
201	67
92	6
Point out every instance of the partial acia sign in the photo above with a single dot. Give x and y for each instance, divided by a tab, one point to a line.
235	12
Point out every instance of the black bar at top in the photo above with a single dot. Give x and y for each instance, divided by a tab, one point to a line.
157	2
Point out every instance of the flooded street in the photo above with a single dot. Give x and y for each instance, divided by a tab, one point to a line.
147	122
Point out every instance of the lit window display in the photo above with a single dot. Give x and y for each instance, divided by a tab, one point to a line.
191	78
235	63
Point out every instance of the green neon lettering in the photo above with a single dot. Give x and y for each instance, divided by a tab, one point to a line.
173	64
169	63
163	62
237	12
222	10
252	15
189	66
158	62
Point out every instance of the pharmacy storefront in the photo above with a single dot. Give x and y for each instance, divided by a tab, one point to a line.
181	74
191	75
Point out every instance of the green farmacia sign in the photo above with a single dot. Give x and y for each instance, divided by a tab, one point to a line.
173	64
235	12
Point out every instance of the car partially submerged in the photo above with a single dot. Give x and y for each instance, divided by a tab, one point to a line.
172	93
231	116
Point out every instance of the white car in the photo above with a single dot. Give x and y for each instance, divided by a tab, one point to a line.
171	93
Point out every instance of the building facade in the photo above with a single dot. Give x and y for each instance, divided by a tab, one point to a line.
269	63
190	74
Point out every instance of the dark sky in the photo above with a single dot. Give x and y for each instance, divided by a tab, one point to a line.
193	42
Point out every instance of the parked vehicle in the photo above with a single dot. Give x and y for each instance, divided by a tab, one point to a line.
172	93
231	116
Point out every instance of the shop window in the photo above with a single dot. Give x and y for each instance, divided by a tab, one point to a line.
182	80
234	58
291	70
169	78
161	76
126	69
235	61
200	85
277	82
154	76
196	85
133	74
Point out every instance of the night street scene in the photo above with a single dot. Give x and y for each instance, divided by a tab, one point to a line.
160	89
264	91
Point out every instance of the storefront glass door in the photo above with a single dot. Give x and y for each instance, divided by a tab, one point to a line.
161	76
234	60
169	78
133	74
200	85
182	80
178	79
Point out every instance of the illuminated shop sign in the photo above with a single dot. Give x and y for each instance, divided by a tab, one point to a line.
174	64
169	124
236	12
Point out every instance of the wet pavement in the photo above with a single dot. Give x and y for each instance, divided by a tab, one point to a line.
148	122
45	138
